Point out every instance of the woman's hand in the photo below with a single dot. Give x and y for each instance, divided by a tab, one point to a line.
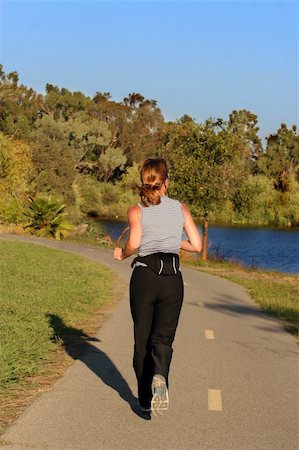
118	253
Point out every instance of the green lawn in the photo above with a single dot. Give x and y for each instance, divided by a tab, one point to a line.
46	297
276	293
278	297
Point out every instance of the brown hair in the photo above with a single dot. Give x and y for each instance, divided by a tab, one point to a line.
153	173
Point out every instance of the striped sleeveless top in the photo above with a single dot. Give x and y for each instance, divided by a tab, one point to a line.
162	227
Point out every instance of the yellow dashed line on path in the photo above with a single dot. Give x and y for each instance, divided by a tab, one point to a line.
214	400
209	334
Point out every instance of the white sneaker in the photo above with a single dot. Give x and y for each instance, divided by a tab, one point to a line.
160	400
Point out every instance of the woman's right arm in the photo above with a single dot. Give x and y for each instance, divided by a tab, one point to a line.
133	242
194	243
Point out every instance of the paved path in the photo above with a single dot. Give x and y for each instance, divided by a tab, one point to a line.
233	381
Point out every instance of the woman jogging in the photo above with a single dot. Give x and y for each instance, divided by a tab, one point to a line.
156	285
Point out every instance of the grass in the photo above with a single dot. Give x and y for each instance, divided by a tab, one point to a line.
276	293
48	298
278	297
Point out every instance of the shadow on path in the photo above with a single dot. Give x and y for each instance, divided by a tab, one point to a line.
230	305
77	345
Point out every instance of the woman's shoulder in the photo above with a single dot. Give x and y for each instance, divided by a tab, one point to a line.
135	209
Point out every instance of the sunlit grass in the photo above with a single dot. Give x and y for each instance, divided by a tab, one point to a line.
37	283
277	297
276	293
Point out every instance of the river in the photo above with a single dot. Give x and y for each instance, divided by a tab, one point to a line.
260	247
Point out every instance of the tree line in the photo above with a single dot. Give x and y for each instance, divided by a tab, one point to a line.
86	150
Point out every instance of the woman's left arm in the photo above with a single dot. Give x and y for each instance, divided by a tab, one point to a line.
134	239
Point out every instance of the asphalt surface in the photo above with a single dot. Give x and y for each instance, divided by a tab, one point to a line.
233	379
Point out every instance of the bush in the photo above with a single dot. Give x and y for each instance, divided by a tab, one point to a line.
258	202
104	199
11	210
47	218
15	173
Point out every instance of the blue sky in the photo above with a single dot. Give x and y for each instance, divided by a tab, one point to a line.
202	58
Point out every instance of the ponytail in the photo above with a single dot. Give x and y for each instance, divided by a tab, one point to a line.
149	194
153	174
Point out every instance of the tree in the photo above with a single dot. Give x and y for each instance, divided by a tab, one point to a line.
109	161
99	158
62	103
202	158
281	159
19	106
134	100
243	124
101	97
54	158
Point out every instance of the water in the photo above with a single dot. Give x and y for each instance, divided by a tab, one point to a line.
265	248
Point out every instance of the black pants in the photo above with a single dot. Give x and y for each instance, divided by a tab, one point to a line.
156	303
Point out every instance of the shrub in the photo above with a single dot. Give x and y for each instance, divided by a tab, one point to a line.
48	218
108	199
11	210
